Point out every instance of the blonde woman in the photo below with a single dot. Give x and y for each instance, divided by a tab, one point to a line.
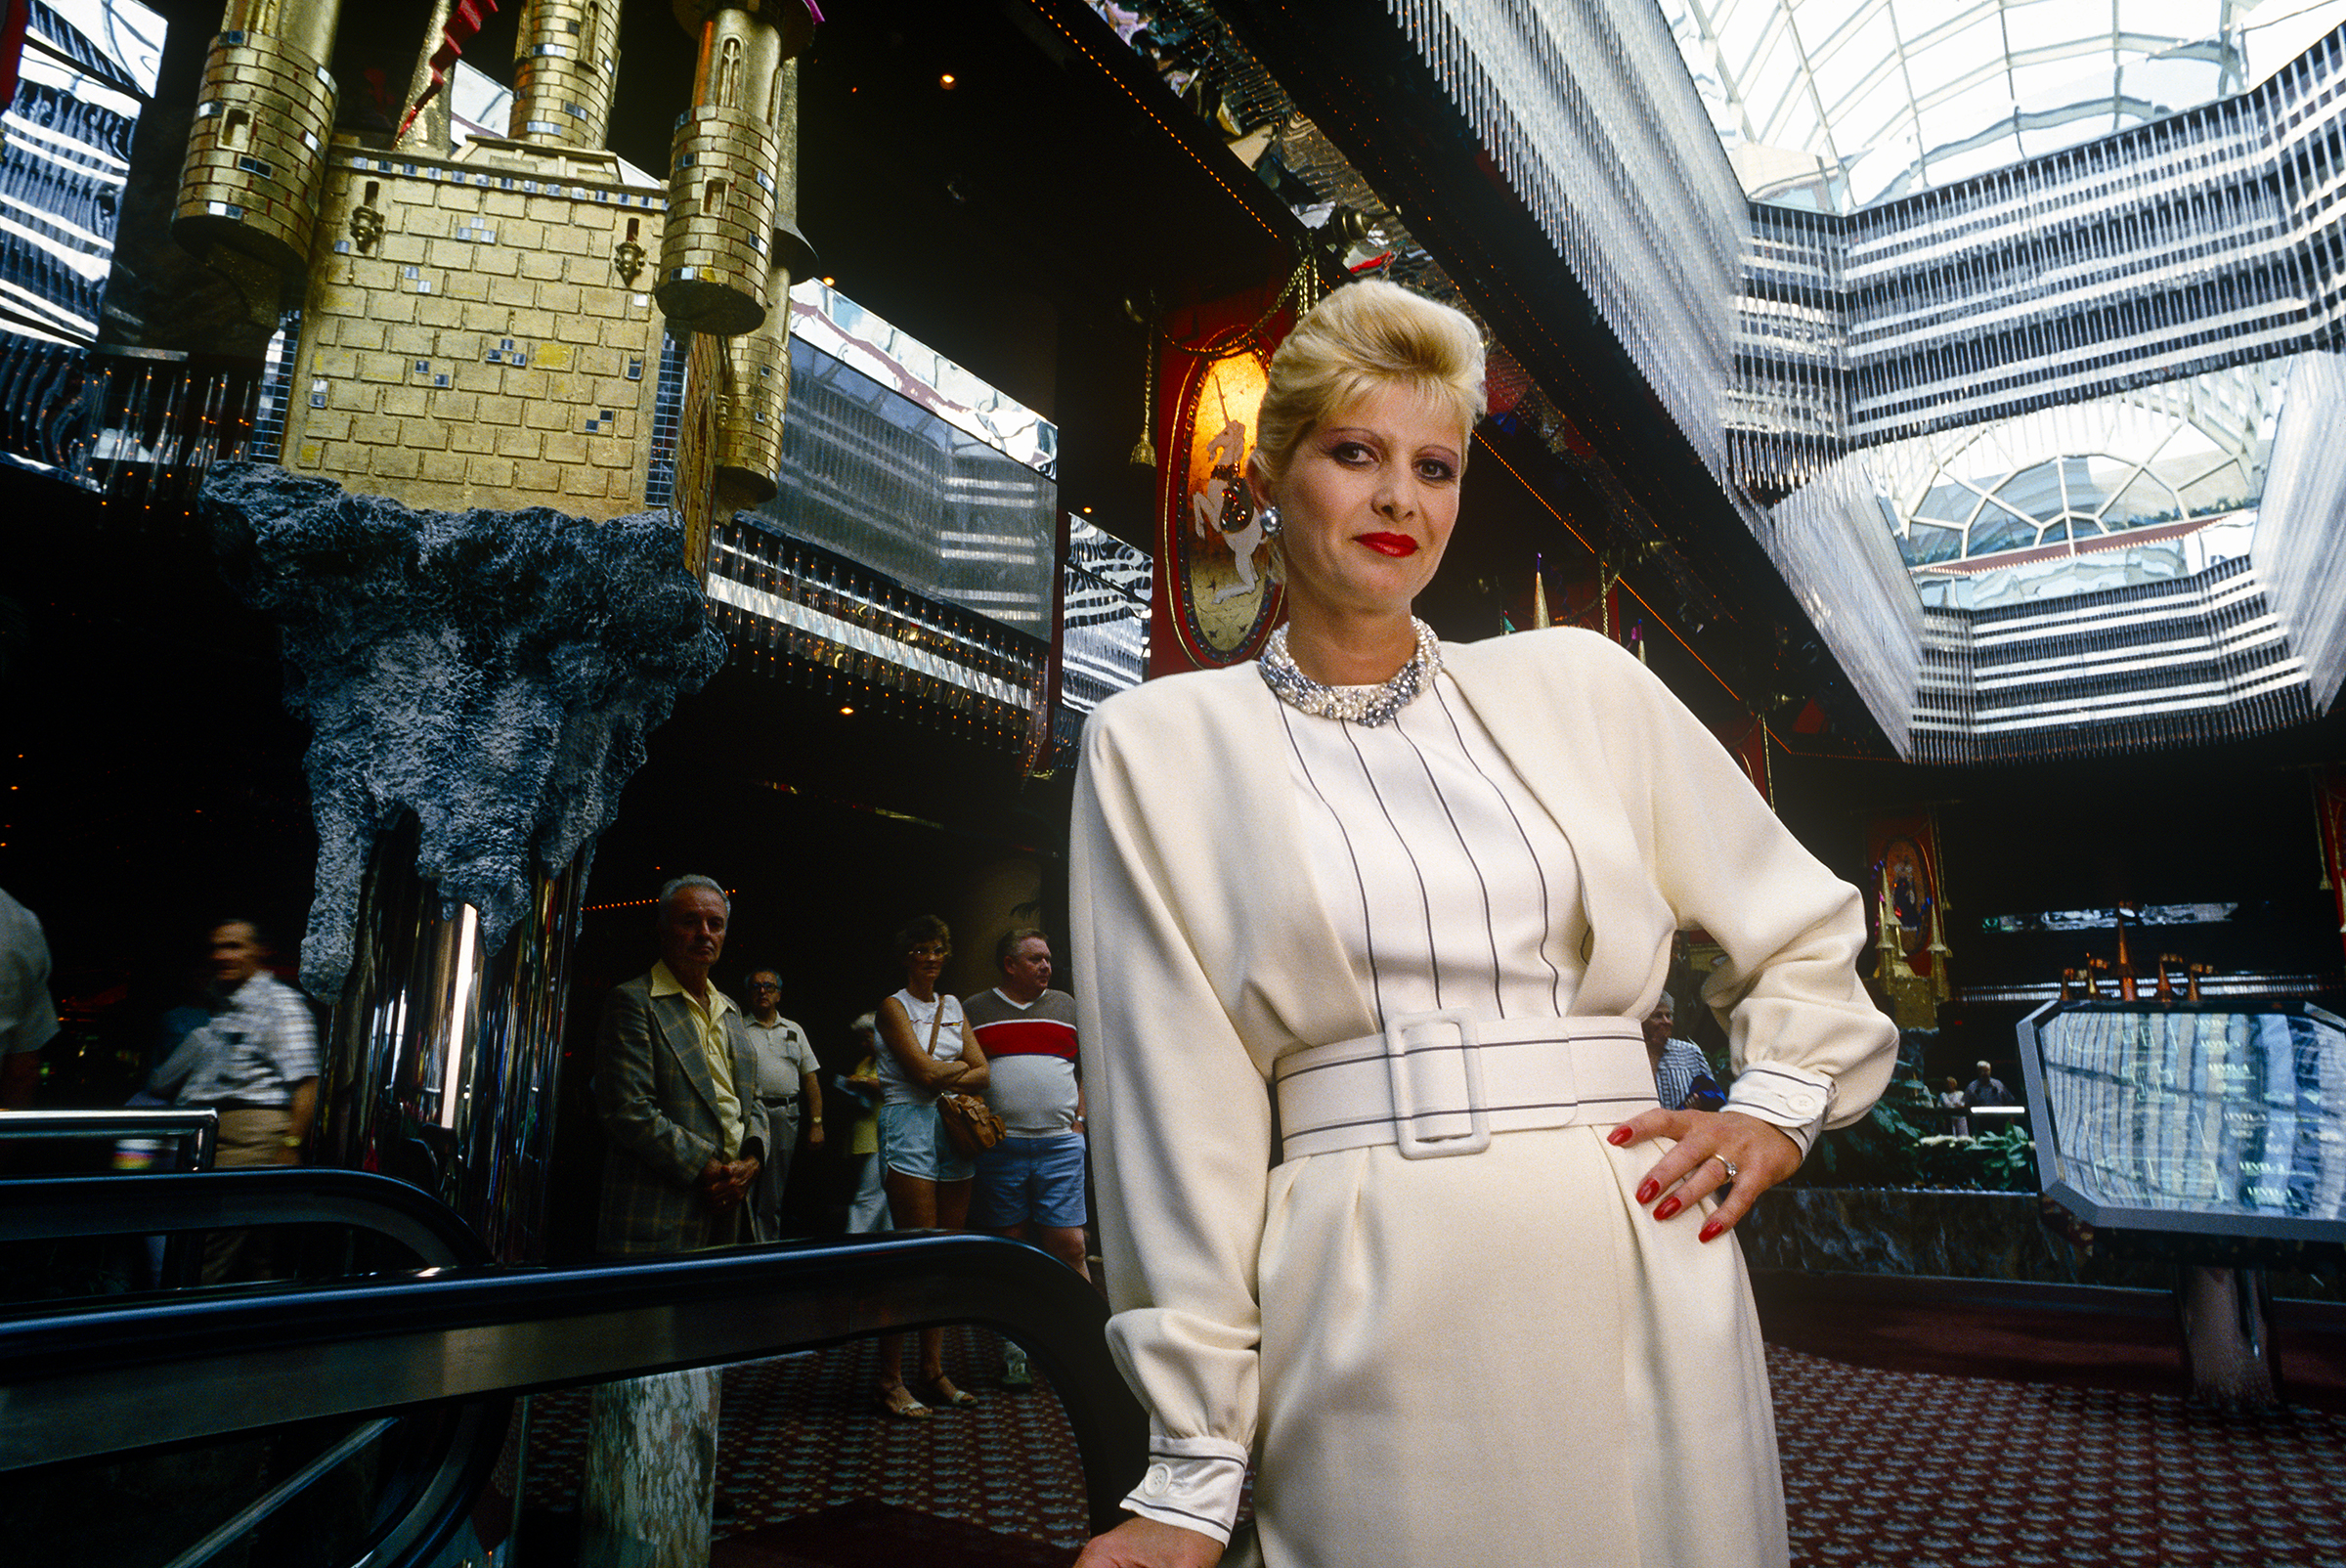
1495	1322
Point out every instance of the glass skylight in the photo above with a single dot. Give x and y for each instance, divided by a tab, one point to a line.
2089	494
1838	104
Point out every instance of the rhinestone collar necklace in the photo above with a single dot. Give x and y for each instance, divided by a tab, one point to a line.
1372	706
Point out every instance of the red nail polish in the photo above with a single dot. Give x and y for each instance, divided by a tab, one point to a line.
1620	1135
1645	1193
1710	1230
1667	1207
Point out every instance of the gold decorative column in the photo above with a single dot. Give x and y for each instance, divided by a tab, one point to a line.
565	69
756	394
723	192
750	404
256	153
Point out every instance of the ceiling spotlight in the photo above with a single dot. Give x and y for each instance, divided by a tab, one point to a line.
846	713
1087	511
829	281
945	81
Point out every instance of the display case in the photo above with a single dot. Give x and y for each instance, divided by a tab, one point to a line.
2220	1119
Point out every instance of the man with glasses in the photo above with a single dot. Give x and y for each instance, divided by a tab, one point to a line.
788	1086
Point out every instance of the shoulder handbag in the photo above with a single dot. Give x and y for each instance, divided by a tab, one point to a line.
969	1122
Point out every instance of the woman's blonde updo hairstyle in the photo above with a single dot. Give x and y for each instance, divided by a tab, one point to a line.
1360	339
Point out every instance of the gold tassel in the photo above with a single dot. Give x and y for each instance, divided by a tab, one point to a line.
1144	452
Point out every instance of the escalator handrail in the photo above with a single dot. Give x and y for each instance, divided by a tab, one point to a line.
197	1125
198	1366
50	1207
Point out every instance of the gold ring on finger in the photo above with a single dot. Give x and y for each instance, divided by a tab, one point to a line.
1728	1166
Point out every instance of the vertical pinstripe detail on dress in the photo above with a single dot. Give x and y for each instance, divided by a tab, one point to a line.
1425	903
1498	1006
1546	916
1447	883
1287	717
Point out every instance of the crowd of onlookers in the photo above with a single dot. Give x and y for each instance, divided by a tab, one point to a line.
702	1102
971	1110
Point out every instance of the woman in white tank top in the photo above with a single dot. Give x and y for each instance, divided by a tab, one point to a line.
924	1052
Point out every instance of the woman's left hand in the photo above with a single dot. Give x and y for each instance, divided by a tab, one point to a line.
1762	1156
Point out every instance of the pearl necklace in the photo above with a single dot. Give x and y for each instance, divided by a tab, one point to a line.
1372	706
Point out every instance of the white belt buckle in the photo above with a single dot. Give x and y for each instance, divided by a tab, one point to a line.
1397	1068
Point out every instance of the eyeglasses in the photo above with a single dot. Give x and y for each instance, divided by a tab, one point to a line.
765	986
933	950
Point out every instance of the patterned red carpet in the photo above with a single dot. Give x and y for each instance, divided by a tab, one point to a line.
798	1435
1929	1471
1895	1467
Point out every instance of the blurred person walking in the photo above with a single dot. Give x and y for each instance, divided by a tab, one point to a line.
27	1014
255	1062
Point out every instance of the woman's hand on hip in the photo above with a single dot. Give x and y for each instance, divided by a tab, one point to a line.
1709	1142
1140	1543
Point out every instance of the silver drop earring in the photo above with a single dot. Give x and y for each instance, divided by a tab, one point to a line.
1271	524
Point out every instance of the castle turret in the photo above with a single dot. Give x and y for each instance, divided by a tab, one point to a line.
257	151
723	194
748	427
565	67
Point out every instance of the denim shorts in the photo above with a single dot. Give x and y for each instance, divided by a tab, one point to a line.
1037	1178
913	1140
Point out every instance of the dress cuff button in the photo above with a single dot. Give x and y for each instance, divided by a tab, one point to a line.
1158	1481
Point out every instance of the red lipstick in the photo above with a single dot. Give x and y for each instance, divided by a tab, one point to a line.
1397	545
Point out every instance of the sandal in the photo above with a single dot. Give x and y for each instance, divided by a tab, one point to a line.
898	1401
940	1389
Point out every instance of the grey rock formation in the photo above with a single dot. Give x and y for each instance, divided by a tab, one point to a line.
494	674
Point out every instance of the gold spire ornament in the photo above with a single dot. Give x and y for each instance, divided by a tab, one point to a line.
425	124
1939	985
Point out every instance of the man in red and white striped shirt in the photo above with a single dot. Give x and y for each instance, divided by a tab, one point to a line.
1030	1184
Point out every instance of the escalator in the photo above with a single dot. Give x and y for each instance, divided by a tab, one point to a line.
361	1421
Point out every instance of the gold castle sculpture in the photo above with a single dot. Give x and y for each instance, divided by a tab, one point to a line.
481	325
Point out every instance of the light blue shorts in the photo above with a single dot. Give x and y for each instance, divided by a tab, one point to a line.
913	1140
1023	1179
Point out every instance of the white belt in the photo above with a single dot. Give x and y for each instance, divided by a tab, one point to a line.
1442	1083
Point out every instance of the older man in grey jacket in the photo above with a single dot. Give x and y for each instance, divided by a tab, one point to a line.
676	1087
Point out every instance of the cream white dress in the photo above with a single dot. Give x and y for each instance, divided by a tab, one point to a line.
1483	1360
